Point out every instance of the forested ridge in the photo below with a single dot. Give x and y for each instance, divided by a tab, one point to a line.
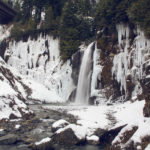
77	21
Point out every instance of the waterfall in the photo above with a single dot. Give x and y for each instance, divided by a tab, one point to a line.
84	79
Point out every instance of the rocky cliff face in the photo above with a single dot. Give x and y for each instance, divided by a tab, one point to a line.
125	69
13	92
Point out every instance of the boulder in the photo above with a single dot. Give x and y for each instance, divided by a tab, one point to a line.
99	132
108	136
44	146
70	135
9	139
72	96
2	132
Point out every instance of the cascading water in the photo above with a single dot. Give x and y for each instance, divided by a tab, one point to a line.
83	88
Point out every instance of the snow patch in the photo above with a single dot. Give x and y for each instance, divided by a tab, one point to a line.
45	140
92	138
148	147
59	123
17	126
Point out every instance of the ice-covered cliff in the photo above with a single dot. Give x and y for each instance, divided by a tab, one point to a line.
123	71
40	61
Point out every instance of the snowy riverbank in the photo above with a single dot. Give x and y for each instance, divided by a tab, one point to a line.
90	118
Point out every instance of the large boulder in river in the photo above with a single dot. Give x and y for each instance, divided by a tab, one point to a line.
59	124
70	135
9	139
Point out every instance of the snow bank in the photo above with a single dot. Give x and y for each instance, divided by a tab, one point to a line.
148	147
90	118
129	113
40	93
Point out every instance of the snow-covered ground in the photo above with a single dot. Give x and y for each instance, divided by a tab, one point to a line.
90	118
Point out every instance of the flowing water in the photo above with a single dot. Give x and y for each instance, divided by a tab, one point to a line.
83	88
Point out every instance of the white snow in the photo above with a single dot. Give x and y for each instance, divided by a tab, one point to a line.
92	138
59	123
42	16
4	32
17	126
45	140
148	147
1	130
41	93
9	90
6	89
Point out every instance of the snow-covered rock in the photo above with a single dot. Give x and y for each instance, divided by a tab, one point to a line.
59	124
43	144
75	133
11	98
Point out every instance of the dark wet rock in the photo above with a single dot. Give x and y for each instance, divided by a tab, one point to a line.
67	138
99	132
9	139
2	133
44	146
145	83
47	117
72	96
76	62
92	100
130	86
14	147
108	136
146	109
125	138
12	116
